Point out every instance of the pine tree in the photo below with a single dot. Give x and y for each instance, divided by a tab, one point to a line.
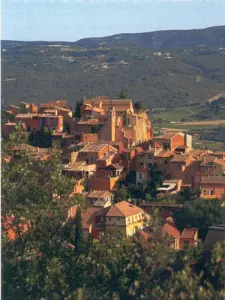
78	232
122	95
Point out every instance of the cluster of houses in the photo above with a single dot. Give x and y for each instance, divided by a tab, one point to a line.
107	142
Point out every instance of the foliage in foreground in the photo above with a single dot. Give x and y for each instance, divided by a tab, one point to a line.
42	263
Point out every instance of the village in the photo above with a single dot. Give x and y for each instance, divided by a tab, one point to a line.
107	146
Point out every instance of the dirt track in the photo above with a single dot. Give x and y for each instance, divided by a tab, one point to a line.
212	122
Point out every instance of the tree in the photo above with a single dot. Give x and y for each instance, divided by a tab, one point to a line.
77	113
36	264
78	232
125	119
200	214
187	195
154	181
122	95
41	138
138	106
121	194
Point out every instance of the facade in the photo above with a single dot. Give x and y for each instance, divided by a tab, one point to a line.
120	218
212	187
34	122
99	198
172	140
189	237
174	235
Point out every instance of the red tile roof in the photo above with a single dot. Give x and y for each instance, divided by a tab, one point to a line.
167	135
213	180
188	233
124	209
171	230
87	216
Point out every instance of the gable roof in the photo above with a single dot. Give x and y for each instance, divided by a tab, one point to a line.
115	166
171	230
219	162
123	209
188	233
87	216
99	194
167	135
179	158
93	147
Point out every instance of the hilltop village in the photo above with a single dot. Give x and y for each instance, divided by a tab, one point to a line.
109	146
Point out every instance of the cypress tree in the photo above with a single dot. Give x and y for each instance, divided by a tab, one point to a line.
78	232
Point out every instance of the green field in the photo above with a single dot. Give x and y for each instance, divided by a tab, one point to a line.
177	114
206	136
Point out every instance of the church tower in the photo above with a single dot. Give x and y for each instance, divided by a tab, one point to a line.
111	124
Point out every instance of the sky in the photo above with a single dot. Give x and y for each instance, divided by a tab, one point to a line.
70	20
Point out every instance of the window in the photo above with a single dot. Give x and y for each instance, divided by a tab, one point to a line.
140	176
186	243
204	192
166	162
211	192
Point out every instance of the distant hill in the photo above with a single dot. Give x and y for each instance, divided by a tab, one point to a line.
163	39
152	68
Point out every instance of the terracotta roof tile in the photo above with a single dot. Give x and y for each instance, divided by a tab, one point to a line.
99	194
171	230
167	135
213	180
188	233
124	209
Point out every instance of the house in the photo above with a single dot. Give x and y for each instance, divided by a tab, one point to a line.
212	187
105	103
66	113
107	178
62	140
216	234
178	165
79	170
57	103
9	128
88	219
87	125
106	117
13	110
170	186
90	111
35	122
37	153
118	218
170	140
99	198
189	237
173	233
28	107
92	152
53	123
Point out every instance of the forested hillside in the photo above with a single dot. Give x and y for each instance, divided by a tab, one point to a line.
40	71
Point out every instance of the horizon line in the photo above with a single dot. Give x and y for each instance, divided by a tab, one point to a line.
63	41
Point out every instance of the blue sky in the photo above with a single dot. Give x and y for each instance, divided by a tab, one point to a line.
70	20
